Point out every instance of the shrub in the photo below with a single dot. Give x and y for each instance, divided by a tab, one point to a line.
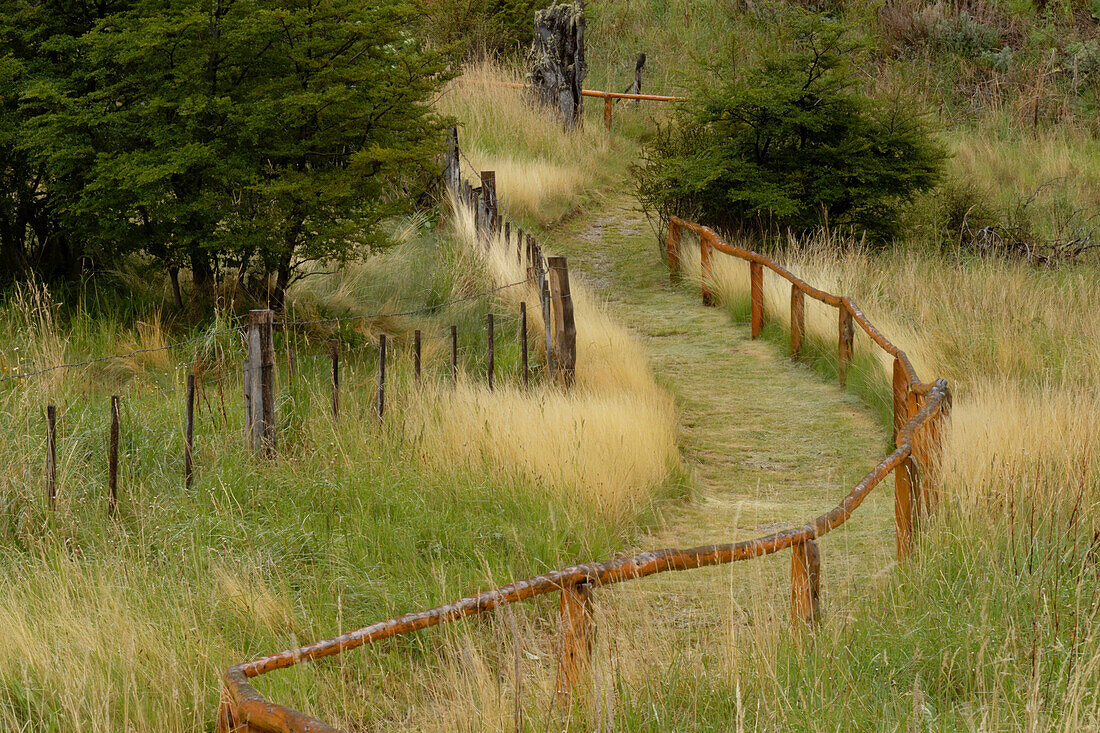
789	144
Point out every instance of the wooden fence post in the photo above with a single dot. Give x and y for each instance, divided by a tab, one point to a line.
639	66
900	390
805	583
246	384
291	365
673	251
490	356
261	354
507	236
565	331
523	340
51	454
489	195
547	321
798	320
189	433
112	460
381	375
530	251
454	356
608	102
575	634
334	355
906	499
706	268
453	172
756	296
844	346
416	355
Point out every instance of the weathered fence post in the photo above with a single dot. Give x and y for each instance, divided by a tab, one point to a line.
559	66
673	251
608	103
575	634
547	321
381	375
507	229
452	172
261	355
112	460
189	433
523	340
565	332
246	385
416	355
490	356
334	356
906	498
844	346
51	454
489	197
639	67
291	365
756	296
706	267
805	583
798	320
454	356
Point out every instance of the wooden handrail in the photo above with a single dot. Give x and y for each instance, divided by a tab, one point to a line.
608	97
243	708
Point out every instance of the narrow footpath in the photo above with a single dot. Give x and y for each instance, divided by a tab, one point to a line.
768	444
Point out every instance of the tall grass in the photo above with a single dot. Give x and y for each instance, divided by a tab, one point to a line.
125	623
986	628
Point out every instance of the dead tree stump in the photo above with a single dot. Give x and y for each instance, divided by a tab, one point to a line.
557	60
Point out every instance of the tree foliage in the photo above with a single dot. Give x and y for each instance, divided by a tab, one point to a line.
790	143
250	135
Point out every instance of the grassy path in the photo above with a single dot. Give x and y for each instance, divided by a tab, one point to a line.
767	441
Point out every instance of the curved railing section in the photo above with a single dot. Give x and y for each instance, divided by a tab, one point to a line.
920	410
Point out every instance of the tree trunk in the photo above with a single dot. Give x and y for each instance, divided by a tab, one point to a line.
558	67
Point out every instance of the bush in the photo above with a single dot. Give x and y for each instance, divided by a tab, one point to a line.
789	144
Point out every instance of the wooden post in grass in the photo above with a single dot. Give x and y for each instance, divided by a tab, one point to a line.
334	355
246	384
906	498
608	102
454	356
706	267
416	356
507	236
798	320
900	384
490	356
189	433
547	321
575	633
291	365
489	195
381	375
844	346
112	460
51	454
756	296
805	583
530	258
673	251
565	329
261	355
452	173
523	339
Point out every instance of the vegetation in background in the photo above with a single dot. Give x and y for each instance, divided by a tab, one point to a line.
235	139
789	143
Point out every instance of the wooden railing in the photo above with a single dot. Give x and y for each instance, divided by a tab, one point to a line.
919	411
608	98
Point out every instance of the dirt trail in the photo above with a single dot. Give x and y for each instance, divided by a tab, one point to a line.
767	441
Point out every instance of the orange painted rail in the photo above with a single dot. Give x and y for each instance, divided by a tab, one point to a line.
608	98
919	411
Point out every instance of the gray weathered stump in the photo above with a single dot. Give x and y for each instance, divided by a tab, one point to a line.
558	64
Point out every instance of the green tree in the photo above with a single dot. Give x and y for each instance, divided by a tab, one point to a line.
244	137
790	143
